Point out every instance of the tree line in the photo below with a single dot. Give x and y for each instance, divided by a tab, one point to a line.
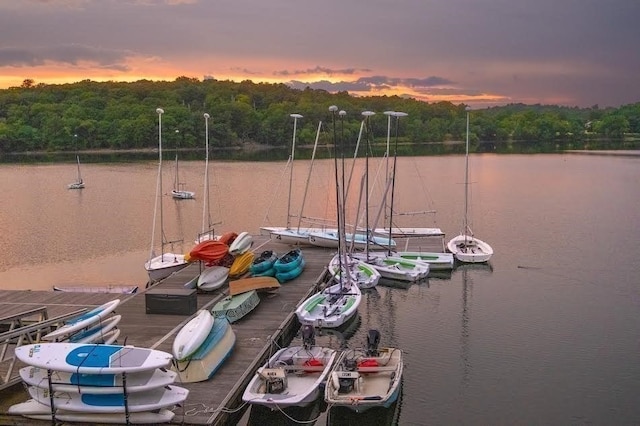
118	115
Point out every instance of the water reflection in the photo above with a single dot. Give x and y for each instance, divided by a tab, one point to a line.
309	415
467	271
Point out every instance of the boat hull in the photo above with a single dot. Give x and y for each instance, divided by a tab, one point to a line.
160	267
468	249
331	307
374	381
303	371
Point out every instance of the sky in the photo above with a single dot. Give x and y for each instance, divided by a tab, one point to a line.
475	52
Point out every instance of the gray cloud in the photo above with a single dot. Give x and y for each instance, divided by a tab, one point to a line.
64	54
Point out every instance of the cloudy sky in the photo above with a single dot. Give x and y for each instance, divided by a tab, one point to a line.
477	52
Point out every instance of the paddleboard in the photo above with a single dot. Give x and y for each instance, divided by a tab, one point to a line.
191	336
109	338
241	244
92	358
154	399
33	409
84	320
97	383
92	334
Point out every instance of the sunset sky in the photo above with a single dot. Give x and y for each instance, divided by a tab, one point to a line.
477	52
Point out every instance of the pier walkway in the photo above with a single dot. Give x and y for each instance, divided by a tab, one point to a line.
211	402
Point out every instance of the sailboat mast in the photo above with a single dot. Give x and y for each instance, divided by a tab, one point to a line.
159	111
306	188
291	158
466	182
333	110
396	114
366	115
206	211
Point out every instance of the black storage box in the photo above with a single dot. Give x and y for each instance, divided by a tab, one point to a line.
171	301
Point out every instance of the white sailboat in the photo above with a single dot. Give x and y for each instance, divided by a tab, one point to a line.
207	230
178	192
339	301
466	247
163	265
388	264
79	183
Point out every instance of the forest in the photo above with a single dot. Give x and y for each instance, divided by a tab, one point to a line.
90	115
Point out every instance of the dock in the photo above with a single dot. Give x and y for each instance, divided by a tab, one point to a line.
216	401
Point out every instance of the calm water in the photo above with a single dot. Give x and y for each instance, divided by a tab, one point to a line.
547	334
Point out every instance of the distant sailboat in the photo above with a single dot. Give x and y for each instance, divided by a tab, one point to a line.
79	183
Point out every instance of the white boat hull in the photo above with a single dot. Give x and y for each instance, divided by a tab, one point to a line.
395	267
437	261
183	195
375	382
331	307
469	249
301	381
213	278
329	239
192	335
160	267
365	275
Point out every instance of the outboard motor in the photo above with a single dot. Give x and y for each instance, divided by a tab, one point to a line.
347	378
308	336
373	340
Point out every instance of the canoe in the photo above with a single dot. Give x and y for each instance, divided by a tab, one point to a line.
244	285
241	264
291	274
210	356
212	278
236	307
241	244
116	289
288	261
263	262
192	335
208	251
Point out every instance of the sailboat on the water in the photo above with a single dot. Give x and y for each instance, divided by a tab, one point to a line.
79	183
163	265
466	247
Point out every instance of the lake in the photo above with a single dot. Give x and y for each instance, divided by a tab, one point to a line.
545	334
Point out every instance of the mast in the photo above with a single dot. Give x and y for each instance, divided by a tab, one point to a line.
367	115
466	182
159	111
206	210
333	110
291	158
306	187
396	114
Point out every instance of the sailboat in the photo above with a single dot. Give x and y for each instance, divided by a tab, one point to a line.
388	264
295	235
339	300
163	265
79	183
178	192
466	247
207	230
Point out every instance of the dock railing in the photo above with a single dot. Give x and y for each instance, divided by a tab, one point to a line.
26	327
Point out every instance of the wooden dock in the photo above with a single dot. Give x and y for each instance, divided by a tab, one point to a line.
216	401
